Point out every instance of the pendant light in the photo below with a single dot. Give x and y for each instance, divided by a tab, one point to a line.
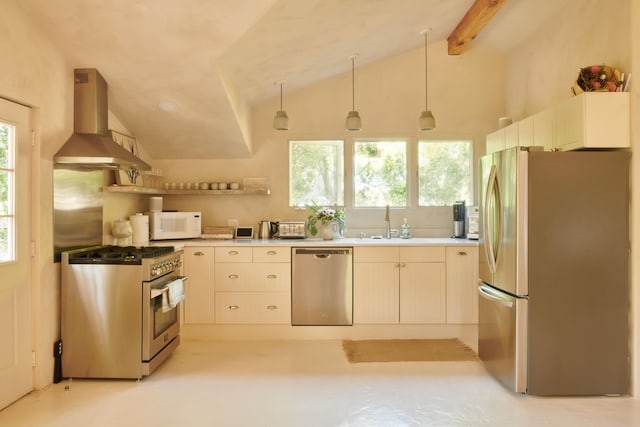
281	120
427	121
353	121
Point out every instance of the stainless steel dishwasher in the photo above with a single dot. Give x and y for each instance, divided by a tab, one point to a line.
322	286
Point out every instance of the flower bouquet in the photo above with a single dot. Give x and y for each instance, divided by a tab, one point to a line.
597	78
324	215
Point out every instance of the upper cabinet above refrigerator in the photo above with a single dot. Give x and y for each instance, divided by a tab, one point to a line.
588	120
593	120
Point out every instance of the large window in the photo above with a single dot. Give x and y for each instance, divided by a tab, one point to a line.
445	170
7	192
380	173
316	173
403	173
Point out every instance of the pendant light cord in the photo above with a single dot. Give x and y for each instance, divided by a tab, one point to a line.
353	83
280	96
426	71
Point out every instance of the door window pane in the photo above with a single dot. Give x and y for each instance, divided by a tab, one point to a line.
5	139
316	173
380	173
7	208
445	171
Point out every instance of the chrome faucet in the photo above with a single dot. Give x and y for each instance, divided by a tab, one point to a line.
388	221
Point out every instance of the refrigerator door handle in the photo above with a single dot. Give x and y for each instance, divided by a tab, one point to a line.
492	212
492	295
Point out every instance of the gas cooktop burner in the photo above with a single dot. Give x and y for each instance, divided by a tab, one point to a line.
118	255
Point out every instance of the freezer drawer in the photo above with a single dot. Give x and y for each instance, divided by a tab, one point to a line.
322	286
502	336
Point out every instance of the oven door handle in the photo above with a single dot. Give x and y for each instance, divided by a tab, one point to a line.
156	292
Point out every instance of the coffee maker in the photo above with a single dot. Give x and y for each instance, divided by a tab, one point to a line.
458	219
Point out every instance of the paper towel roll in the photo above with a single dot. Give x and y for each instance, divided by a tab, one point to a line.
140	225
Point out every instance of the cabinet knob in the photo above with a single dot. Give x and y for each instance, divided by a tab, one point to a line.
233	276
272	276
272	253
233	307
462	253
199	253
233	252
272	307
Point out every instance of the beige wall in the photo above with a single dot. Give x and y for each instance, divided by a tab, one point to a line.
541	70
35	74
465	93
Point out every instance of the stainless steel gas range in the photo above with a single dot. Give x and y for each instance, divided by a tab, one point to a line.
120	310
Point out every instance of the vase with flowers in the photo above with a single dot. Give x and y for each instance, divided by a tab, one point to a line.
326	221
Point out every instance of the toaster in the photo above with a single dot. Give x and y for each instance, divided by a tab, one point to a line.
291	230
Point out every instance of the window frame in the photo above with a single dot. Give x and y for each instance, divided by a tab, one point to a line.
412	178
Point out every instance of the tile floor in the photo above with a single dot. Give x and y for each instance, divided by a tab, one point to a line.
305	383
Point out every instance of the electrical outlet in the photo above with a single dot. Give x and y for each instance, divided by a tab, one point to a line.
232	222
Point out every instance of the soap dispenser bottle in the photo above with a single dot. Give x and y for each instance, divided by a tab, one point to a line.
405	233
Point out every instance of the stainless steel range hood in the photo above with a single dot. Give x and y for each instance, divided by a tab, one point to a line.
91	145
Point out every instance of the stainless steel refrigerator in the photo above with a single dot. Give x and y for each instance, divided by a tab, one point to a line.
554	271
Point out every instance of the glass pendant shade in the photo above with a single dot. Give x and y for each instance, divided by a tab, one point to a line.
353	121
281	120
427	121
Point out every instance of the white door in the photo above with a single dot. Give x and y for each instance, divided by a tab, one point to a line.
16	372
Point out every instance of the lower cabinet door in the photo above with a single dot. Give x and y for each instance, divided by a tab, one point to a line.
253	307
375	293
422	292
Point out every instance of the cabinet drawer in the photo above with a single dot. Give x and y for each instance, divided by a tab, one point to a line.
253	307
233	254
272	276
234	276
272	254
423	254
379	254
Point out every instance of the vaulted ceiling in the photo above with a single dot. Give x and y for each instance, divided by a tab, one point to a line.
184	75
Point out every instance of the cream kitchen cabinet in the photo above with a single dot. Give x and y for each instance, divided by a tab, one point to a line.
253	285
199	302
253	307
376	285
589	120
525	132
544	124
593	120
506	137
496	141
399	285
234	254
462	278
511	135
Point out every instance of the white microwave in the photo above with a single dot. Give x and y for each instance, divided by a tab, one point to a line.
175	225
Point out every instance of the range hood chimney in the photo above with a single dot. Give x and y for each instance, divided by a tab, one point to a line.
91	146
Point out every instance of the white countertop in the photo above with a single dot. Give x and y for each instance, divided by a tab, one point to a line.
367	241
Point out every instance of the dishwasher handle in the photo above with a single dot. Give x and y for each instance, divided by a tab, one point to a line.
322	252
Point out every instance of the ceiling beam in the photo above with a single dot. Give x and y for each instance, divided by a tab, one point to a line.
478	15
